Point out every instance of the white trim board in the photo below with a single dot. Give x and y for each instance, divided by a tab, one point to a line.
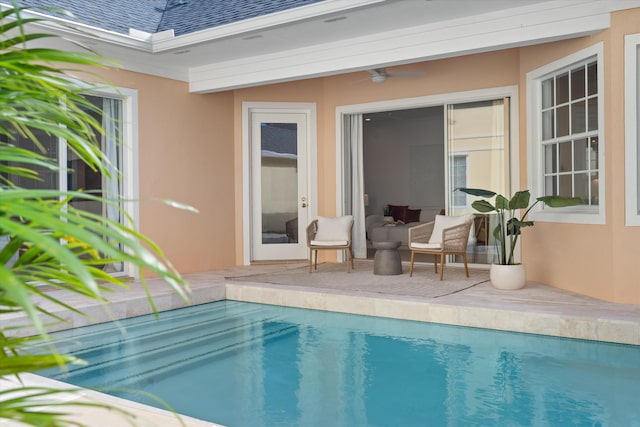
632	129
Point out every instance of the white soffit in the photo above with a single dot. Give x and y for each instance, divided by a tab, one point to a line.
522	26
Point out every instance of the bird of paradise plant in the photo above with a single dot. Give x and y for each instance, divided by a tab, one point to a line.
509	226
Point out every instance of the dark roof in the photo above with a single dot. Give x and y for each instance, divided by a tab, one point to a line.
153	16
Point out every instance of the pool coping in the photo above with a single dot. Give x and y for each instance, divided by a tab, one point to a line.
513	318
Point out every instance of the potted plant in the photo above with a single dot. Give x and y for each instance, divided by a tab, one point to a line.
506	273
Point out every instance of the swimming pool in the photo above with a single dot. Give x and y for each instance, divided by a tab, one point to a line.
246	364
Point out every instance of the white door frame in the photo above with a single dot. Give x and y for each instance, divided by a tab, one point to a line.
431	101
309	109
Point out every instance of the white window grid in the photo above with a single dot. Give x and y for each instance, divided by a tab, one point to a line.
566	131
593	210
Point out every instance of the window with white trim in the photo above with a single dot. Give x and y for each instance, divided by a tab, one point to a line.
566	136
459	179
115	114
632	130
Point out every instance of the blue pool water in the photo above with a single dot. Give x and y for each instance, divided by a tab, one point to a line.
244	364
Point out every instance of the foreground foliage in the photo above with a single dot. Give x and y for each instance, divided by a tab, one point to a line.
49	242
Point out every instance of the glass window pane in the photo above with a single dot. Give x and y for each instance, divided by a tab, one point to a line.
47	179
595	194
547	125
476	148
550	185
593	159
562	89
564	156
547	93
582	187
578	117
592	78
81	177
593	113
565	187
580	155
459	179
279	173
562	121
577	83
550	159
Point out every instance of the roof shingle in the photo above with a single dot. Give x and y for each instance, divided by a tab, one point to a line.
152	16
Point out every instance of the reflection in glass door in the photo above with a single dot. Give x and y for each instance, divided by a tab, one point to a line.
478	157
279	169
279	186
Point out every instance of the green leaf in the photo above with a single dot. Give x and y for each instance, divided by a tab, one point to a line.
520	200
502	202
483	206
514	225
559	201
477	192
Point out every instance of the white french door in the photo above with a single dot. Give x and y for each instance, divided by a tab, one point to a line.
279	185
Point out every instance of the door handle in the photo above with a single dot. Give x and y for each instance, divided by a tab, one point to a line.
304	205
304	202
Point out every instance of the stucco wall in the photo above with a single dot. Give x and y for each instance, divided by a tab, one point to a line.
602	261
597	260
190	150
495	69
185	152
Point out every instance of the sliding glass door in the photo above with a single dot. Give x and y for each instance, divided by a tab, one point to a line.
477	157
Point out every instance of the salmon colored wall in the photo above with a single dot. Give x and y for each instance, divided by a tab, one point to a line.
626	253
191	151
596	260
444	76
601	261
184	154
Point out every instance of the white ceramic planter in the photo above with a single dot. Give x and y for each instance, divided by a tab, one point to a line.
508	277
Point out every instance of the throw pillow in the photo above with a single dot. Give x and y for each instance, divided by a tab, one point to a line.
412	215
443	222
398	212
334	228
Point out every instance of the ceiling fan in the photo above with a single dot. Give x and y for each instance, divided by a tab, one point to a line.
380	75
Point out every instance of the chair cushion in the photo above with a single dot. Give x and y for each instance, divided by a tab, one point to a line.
418	245
329	242
442	222
332	229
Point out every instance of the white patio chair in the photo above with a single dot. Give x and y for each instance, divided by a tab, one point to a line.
330	233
